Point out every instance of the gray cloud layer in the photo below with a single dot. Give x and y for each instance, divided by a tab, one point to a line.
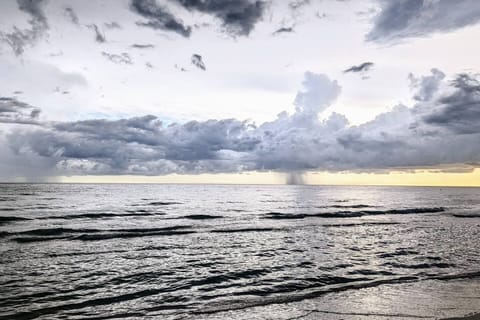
401	19
441	128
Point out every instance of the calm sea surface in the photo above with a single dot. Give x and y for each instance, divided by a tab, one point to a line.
238	252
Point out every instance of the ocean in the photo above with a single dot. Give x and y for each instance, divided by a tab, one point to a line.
159	251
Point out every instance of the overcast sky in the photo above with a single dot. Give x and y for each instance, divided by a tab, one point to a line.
155	87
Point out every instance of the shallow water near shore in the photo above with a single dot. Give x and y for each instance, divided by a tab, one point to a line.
102	251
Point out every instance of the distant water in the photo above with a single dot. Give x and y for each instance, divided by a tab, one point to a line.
238	252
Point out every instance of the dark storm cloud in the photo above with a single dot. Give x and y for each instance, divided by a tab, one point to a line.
238	16
15	111
441	129
140	145
401	19
122	58
459	112
158	17
143	46
197	61
364	67
70	13
99	35
18	39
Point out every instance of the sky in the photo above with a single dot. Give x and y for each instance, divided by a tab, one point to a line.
240	91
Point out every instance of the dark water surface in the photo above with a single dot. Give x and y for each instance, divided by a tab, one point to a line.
238	252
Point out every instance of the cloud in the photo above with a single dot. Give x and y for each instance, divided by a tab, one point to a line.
33	8
112	25
364	67
142	46
459	112
141	145
15	111
99	36
283	30
238	16
36	79
70	13
426	86
197	61
402	19
440	130
319	92
158	17
122	58
298	4
19	39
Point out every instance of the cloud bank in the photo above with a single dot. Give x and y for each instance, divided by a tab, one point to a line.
441	128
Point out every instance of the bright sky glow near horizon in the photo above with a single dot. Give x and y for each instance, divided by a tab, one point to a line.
240	91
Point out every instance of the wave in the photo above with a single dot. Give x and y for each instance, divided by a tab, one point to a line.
303	291
236	210
466	215
163	203
199	217
441	265
126	235
367	272
101	215
5	199
398	252
350	214
457	276
373	223
245	230
38	235
353	206
9	219
56	231
134	278
314	291
35	313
